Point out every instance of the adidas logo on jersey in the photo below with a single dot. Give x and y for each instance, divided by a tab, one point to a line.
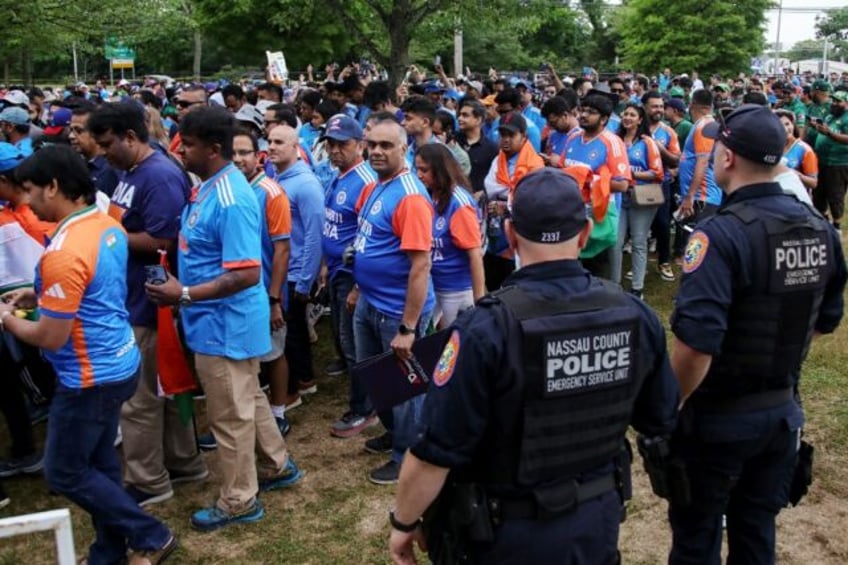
55	291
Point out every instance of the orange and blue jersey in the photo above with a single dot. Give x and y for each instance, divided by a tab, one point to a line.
667	137
340	217
557	142
698	146
454	233
221	232
605	149
645	156
82	276
801	157
395	217
275	212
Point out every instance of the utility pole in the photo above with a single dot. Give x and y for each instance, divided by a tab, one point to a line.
457	48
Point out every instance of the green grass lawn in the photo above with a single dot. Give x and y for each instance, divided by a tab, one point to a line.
336	516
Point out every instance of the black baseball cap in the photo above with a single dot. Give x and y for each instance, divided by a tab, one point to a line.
513	122
751	131
548	207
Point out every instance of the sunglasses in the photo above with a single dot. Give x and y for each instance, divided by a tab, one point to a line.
186	103
616	90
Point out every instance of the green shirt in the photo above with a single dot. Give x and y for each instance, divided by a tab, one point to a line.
820	111
828	150
682	130
797	107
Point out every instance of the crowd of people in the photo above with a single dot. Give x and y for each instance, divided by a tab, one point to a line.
240	205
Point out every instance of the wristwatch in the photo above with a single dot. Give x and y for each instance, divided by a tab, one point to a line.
403	329
273	300
185	297
400	526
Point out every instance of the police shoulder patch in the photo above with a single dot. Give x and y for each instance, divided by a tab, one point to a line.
447	362
696	250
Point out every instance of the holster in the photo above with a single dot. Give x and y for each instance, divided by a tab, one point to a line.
668	475
802	478
458	516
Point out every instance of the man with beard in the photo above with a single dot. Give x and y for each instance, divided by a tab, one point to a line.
832	150
601	150
669	147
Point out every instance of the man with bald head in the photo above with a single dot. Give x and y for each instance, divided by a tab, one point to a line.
306	197
392	273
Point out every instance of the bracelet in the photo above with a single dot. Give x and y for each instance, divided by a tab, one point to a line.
400	526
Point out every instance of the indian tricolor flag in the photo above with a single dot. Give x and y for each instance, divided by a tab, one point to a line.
175	376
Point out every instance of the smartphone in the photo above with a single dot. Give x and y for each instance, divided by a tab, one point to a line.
437	60
155	274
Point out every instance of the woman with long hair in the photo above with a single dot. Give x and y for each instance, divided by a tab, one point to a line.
457	254
635	221
799	156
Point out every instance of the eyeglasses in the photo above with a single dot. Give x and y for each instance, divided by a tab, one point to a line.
590	111
187	103
243	152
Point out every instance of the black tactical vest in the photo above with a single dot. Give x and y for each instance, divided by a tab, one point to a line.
573	373
770	324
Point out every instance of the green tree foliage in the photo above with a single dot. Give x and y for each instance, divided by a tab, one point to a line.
834	26
707	35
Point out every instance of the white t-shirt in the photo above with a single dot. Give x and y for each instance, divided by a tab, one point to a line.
791	184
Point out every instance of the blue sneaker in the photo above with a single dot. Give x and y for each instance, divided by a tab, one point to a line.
206	442
290	475
284	425
209	519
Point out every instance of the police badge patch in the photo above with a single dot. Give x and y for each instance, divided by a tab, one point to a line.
696	250
447	362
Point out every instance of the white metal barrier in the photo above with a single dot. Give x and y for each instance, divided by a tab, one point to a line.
57	520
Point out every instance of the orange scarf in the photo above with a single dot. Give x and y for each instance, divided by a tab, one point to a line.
595	188
528	161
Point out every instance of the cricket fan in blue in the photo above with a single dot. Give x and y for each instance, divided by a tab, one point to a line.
761	278
521	455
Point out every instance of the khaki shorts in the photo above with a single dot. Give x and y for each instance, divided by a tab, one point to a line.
278	345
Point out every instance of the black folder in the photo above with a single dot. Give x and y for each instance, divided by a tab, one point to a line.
391	381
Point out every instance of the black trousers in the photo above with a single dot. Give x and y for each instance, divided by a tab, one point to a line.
298	348
25	375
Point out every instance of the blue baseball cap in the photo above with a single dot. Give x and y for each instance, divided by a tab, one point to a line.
751	131
10	157
15	115
433	87
548	207
342	128
453	95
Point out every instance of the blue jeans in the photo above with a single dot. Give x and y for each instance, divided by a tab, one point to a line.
82	464
373	332
340	286
634	221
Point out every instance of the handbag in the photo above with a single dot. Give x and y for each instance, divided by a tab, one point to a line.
648	194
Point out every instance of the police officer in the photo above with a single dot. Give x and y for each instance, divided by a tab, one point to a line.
761	278
527	412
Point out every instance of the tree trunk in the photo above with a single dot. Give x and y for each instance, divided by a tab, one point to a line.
398	55
26	66
198	54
